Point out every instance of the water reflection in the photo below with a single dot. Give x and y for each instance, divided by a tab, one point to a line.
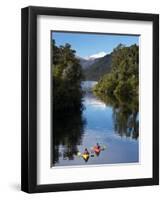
125	116
68	130
103	120
126	123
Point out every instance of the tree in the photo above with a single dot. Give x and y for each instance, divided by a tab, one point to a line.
67	76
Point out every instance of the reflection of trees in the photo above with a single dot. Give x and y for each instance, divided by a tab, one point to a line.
67	133
125	115
126	122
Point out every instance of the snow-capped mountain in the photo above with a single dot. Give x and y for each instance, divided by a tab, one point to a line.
96	65
95	56
90	60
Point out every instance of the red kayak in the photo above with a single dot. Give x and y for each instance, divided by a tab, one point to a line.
97	150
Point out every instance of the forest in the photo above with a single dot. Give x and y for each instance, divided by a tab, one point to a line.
120	86
77	111
66	76
117	87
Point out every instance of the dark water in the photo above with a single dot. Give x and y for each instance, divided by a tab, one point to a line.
115	130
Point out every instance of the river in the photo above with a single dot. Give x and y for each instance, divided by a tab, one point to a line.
98	123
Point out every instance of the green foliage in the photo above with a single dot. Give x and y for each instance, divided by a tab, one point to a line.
120	89
120	86
67	76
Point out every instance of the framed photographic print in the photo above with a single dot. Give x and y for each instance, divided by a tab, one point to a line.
90	99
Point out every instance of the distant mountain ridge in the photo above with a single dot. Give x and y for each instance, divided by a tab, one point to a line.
94	68
85	63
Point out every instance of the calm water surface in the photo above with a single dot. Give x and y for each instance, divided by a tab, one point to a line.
98	122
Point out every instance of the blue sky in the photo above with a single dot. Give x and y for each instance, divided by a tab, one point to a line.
90	44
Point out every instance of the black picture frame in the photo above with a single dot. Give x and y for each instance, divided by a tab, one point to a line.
29	98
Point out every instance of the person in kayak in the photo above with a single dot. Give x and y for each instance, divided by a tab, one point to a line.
97	149
97	146
86	151
85	155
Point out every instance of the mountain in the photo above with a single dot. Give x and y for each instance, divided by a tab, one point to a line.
94	69
97	55
85	63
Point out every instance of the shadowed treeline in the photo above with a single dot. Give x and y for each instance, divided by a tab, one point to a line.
67	132
66	77
67	102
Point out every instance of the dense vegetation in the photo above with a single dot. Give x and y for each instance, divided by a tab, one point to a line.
66	77
100	67
121	84
119	88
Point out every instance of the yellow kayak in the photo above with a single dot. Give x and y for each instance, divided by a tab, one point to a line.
85	156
